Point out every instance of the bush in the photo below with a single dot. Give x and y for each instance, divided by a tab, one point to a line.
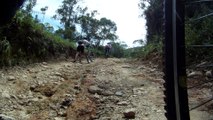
27	41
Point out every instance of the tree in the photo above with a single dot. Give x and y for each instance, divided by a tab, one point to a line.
88	24
48	27
67	14
140	41
43	10
107	30
29	4
198	30
118	49
97	30
153	12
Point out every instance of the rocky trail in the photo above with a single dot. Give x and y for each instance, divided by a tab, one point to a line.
106	89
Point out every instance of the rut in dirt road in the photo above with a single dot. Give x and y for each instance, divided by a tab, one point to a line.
129	90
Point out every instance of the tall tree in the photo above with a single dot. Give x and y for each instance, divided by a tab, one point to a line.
107	29
29	4
67	14
153	12
97	30
88	24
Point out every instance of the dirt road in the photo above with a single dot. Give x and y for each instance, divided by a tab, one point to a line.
106	89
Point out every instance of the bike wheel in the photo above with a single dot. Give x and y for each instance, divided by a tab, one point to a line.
176	97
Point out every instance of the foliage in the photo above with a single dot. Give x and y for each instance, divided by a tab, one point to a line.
107	29
94	29
72	16
30	41
29	4
153	12
145	51
5	52
89	25
68	14
198	28
97	30
198	31
118	49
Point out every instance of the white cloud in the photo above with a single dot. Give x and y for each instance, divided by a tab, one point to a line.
125	13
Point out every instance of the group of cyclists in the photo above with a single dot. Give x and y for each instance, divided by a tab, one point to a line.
86	45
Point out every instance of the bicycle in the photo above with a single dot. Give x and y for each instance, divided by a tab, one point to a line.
176	96
90	55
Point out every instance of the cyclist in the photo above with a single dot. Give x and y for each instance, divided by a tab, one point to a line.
82	45
107	48
80	51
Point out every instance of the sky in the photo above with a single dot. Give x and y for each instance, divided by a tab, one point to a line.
125	13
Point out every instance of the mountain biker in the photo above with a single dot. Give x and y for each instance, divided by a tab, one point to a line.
82	45
80	51
107	48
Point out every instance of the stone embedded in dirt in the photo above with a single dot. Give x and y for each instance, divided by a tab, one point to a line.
96	96
138	91
129	113
126	66
106	93
67	102
59	118
5	94
77	87
88	71
34	76
33	87
62	113
24	76
44	63
106	118
208	74
94	89
11	78
123	103
58	74
119	93
195	73
4	117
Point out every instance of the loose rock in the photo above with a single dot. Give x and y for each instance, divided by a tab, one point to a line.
129	113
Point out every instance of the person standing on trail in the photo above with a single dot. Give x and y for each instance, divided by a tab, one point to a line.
82	44
107	48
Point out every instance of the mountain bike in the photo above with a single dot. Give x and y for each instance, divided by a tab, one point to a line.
90	55
176	96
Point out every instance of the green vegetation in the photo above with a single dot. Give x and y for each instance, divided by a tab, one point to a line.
152	11
198	29
26	40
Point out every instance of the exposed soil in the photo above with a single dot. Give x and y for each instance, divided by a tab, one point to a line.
106	89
